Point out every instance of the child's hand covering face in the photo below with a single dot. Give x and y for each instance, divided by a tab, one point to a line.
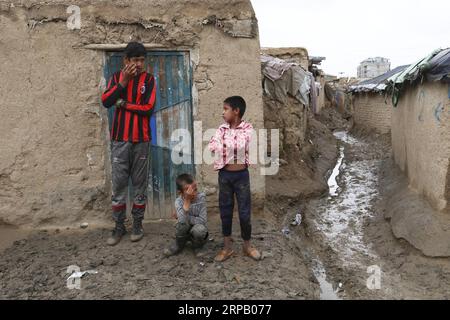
190	191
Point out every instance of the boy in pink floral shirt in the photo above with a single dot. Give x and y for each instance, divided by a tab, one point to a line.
231	146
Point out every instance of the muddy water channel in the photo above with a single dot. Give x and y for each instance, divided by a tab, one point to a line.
340	216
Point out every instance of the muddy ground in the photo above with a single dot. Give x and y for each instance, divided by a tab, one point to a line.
343	232
36	267
349	233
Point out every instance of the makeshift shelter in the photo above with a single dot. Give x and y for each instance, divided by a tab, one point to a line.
421	126
371	107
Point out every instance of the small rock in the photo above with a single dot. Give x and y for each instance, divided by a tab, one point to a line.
84	225
265	254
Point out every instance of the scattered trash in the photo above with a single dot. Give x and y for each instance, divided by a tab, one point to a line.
340	284
286	231
266	254
80	274
298	220
84	225
202	264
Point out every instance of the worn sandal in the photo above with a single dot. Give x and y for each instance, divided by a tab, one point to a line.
223	255
252	253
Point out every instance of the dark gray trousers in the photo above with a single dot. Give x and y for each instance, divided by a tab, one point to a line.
129	160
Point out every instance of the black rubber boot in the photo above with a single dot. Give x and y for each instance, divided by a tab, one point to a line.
176	247
117	234
138	230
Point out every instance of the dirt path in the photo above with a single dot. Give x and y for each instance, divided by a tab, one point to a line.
336	252
354	243
36	267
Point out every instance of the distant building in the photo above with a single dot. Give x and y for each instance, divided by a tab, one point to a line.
373	67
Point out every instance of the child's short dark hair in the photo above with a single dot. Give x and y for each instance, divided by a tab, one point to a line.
182	180
135	49
236	102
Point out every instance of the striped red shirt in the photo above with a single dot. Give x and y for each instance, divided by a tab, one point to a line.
132	122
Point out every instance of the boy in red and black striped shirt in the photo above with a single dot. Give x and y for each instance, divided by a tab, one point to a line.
133	92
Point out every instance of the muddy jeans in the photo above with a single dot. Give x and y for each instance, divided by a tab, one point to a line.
129	160
231	184
197	233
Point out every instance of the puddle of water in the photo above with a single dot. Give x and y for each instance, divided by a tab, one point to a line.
332	183
342	214
327	292
345	137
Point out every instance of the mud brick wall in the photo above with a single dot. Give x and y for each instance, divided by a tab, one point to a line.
295	55
371	111
54	160
421	140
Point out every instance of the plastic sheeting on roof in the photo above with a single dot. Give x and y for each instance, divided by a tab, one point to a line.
434	67
377	84
413	71
440	67
282	78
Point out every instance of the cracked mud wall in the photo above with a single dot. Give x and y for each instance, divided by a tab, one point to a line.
421	140
54	162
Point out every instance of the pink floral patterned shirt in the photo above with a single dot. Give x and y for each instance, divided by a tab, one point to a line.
231	144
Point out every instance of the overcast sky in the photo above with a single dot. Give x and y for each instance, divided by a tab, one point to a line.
349	31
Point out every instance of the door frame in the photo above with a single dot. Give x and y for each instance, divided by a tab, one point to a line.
191	55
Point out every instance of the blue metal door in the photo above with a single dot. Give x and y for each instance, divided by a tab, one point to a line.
173	110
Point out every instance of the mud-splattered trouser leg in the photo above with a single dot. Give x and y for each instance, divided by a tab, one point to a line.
129	160
139	178
231	184
199	235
